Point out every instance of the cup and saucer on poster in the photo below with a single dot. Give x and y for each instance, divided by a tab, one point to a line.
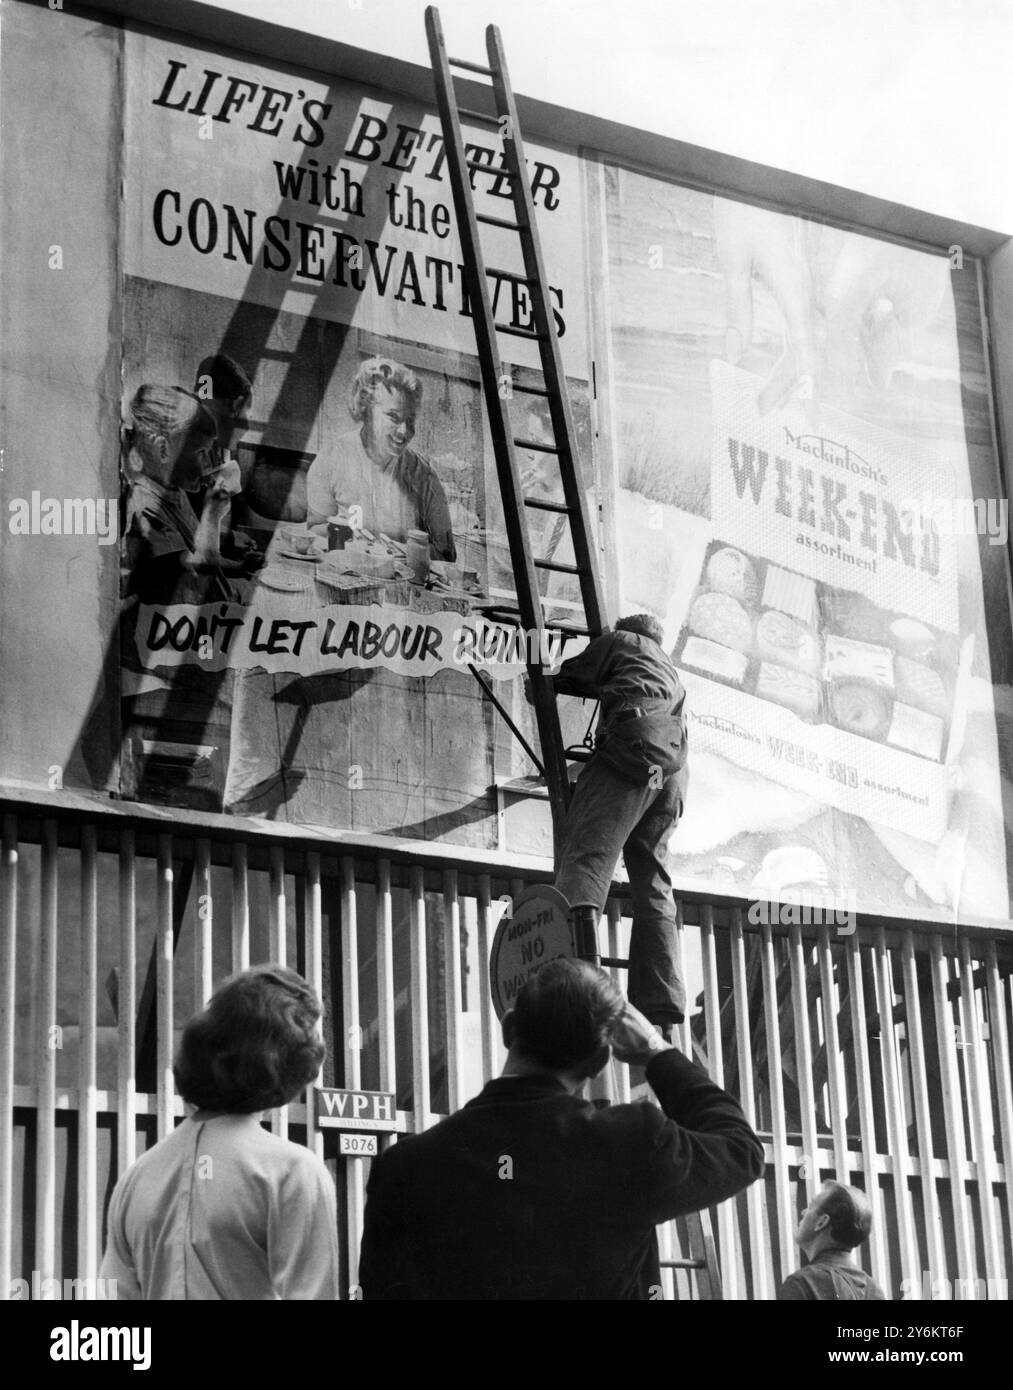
301	544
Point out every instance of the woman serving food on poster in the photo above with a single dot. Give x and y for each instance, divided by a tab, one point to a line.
394	489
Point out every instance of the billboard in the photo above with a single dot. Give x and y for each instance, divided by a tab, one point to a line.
804	446
255	543
320	668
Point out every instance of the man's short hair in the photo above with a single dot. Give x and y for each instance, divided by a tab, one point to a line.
566	1013
382	373
228	380
849	1212
644	625
254	1046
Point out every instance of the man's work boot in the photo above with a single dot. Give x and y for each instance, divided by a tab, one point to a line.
584	920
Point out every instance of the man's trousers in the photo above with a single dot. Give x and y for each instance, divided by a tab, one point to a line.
610	814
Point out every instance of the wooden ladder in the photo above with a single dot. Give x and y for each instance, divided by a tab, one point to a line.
703	1255
498	387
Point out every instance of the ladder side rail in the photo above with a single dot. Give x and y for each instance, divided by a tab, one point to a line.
525	575
548	342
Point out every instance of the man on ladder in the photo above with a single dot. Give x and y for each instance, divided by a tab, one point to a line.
629	798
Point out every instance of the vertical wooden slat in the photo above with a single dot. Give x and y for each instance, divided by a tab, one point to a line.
716	1069
385	977
87	1098
488	1014
350	975
1000	1046
419	1003
966	1040
240	908
758	1238
684	1030
354	1186
313	914
908	1257
203	974
452	1003
603	1089
277	908
126	1007
621	1073
8	963
804	1061
983	1131
517	886
784	1212
935	1247
953	1115
278	950
47	1043
163	988
666	1233
836	1079
866	1114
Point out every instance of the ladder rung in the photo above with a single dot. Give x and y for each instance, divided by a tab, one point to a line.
543	506
497	222
616	962
540	448
503	613
469	66
531	390
466	114
485	167
517	332
683	1264
558	567
508	275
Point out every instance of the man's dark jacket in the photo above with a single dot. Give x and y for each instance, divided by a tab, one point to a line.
532	1193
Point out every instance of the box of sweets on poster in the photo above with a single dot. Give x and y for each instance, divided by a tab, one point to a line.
819	689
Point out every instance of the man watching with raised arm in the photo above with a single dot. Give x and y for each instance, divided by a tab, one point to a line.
530	1191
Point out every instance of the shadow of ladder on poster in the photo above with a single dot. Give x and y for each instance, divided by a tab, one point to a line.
499	386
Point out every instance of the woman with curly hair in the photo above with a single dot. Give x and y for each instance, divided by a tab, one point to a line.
220	1208
395	489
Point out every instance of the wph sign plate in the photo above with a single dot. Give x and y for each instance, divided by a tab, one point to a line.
374	1111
